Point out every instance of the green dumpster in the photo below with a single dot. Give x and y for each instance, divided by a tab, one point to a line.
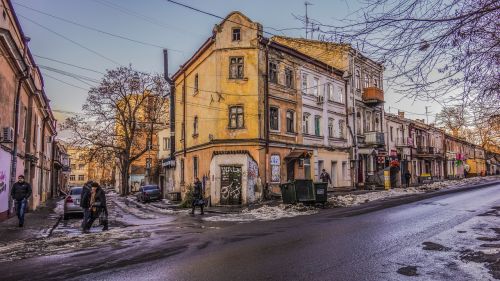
320	192
304	190
288	193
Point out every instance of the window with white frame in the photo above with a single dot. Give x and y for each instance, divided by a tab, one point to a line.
304	83
317	125
358	79
330	127
341	129
367	80
329	91
166	143
340	94
290	121
305	123
315	86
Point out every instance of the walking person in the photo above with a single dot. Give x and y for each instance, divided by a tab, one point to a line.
407	178
85	204
98	207
325	177
20	193
197	196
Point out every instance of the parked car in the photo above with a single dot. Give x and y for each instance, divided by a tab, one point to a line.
148	193
72	202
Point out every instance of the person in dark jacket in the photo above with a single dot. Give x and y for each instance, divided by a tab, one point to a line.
407	178
325	177
20	193
85	204
197	196
98	206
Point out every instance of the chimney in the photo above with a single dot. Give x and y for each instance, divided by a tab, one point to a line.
172	103
401	114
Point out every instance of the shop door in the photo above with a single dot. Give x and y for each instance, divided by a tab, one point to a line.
230	189
290	170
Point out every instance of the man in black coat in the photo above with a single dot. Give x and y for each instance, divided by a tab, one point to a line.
197	196
98	206
85	204
20	193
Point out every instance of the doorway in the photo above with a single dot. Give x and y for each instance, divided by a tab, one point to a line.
231	187
333	174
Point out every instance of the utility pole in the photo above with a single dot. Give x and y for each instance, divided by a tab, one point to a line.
307	18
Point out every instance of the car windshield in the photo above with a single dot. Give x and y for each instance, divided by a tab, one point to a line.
151	187
76	191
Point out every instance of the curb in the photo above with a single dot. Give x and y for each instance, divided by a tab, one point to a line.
401	200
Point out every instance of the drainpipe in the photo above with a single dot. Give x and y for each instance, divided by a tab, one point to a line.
172	104
184	113
266	112
346	81
24	77
42	160
355	138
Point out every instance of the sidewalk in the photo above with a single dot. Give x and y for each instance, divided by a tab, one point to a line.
37	224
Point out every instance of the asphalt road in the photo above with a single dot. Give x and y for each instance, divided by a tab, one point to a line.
327	246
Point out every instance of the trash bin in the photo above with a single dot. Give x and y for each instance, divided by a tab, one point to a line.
304	190
288	193
320	192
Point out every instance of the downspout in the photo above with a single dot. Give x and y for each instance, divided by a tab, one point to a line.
25	76
172	104
346	81
52	175
266	113
42	160
354	117
184	113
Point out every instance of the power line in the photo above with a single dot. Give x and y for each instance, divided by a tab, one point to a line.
69	74
64	82
70	40
69	64
96	30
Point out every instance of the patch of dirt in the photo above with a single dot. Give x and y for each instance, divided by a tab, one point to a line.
496	229
431	246
490	245
461	231
493	212
410	270
492	261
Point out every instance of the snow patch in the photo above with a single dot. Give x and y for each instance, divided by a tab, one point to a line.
266	213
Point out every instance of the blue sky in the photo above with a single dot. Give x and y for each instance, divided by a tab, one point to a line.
154	22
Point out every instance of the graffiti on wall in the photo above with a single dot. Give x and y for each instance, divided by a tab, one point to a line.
230	190
3	182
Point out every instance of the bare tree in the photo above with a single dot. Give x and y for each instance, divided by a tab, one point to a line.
441	50
121	116
453	119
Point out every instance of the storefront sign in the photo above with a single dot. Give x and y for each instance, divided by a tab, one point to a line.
169	163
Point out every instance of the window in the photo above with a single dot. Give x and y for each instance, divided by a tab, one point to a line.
305	123
236	68
367	80
81	166
344	170
340	94
368	125
236	117
195	126
274	118
376	123
315	87
341	129
273	72
375	81
73	166
358	123
275	168
166	143
72	177
196	89
236	34
329	91
330	127
290	122
358	80
304	83
289	77
391	132
307	168
317	125
195	167
81	177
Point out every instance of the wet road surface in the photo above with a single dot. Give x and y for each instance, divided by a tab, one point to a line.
326	246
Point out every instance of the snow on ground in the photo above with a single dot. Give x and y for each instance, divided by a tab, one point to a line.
357	199
160	207
265	213
131	209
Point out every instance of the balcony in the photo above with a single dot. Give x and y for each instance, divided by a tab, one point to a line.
373	95
374	138
427	151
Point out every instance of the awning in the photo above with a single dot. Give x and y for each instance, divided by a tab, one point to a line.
296	154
